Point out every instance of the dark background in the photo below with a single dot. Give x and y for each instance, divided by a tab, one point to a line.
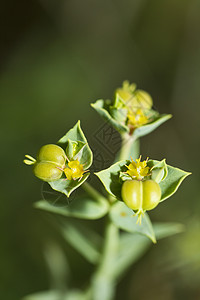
55	58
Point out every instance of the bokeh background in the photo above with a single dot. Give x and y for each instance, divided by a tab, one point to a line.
55	58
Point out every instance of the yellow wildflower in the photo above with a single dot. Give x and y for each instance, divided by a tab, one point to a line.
137	119
74	170
139	169
138	103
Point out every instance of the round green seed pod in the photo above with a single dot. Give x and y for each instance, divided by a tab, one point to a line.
52	153
47	171
141	195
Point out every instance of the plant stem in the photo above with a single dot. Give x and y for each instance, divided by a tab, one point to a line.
103	282
127	148
91	191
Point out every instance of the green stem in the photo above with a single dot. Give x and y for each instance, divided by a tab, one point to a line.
110	248
103	282
92	191
128	143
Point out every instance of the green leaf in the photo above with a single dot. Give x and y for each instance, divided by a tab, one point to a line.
158	170
103	110
76	135
146	129
74	149
118	102
133	246
82	239
163	230
46	295
57	295
83	208
111	178
67	186
118	114
172	182
119	111
124	218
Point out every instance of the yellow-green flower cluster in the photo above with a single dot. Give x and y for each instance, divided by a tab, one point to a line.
74	170
138	104
139	169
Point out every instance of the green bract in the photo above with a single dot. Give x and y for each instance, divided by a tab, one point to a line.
64	171
168	177
131	111
124	218
76	145
77	148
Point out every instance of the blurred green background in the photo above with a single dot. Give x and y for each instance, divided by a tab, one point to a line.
56	58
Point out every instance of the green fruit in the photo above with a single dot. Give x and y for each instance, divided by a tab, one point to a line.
141	195
47	171
52	153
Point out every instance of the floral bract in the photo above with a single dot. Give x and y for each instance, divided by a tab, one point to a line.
131	111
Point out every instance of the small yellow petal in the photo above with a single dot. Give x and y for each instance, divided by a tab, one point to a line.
73	164
138	169
68	173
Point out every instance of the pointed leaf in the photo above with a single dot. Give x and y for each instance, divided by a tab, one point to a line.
74	149
100	107
172	182
133	246
146	129
111	178
119	111
46	295
163	230
76	135
82	240
83	208
123	217
158	170
67	186
57	295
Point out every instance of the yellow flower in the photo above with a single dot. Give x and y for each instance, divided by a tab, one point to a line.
138	103
137	119
74	170
139	169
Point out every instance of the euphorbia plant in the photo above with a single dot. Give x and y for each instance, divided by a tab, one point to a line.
134	186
